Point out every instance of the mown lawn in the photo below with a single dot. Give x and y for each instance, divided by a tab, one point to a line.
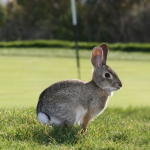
26	72
114	129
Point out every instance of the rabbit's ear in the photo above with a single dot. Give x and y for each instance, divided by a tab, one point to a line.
105	51
96	57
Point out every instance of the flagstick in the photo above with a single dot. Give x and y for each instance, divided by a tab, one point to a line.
74	21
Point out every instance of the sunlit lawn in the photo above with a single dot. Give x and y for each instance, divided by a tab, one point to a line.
115	129
25	74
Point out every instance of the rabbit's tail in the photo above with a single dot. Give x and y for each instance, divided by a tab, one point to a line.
46	118
43	118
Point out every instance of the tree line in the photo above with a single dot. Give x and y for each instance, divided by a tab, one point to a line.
98	20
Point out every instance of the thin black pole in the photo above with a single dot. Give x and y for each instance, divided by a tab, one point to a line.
77	50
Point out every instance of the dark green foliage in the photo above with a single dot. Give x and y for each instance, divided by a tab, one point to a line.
101	21
82	45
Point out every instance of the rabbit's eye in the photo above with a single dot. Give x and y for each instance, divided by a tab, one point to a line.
107	75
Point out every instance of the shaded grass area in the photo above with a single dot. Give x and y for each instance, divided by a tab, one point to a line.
114	129
70	53
144	47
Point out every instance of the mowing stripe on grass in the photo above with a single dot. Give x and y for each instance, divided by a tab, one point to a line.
22	79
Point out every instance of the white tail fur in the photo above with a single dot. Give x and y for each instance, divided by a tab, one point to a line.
43	118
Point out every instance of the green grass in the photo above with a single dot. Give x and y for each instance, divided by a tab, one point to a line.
114	129
70	53
25	73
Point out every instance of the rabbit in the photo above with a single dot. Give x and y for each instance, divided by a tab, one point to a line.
69	102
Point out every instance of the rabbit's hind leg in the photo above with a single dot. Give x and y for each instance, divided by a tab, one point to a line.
55	121
65	124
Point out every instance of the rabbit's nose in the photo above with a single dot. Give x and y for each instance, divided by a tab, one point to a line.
118	85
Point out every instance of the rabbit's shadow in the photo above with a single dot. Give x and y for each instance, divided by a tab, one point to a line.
56	135
47	135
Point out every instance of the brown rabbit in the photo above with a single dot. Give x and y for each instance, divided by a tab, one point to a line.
74	101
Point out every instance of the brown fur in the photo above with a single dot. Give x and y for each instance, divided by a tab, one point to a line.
86	119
